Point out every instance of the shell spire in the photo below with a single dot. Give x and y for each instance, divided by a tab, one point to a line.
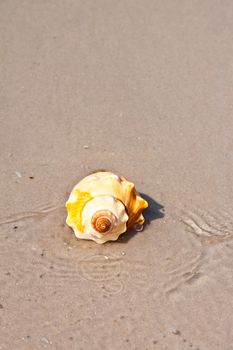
103	221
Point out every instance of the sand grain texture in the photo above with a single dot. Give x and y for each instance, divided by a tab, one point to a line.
142	88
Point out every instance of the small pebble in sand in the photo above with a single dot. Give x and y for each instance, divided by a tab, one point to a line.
45	340
138	227
17	173
123	253
85	146
176	332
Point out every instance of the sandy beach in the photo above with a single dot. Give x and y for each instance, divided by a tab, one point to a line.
144	89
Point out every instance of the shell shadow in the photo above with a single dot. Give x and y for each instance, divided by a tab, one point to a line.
154	211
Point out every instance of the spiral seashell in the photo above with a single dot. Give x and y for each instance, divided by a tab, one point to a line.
103	221
102	206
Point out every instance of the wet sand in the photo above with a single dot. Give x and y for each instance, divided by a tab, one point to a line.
142	88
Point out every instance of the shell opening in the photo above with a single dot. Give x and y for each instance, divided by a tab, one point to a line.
103	221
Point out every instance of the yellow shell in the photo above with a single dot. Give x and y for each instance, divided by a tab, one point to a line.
102	206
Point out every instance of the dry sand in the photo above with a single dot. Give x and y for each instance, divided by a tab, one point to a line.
142	88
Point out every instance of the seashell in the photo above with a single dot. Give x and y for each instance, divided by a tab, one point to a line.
102	206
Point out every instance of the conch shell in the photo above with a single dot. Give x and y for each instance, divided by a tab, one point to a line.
102	206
